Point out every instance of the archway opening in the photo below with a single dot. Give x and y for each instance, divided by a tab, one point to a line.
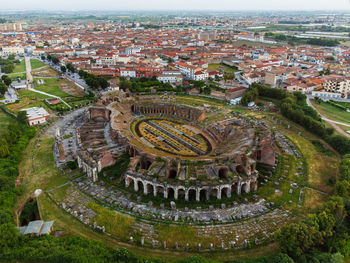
192	194
160	190
181	193
224	192
203	194
172	174
234	188
223	173
171	193
150	189
140	186
131	183
145	164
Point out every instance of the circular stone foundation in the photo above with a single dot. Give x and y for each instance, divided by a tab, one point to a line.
173	137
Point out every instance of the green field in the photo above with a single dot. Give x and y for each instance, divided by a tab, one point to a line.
14	76
52	86
31	95
28	99
332	112
227	69
36	63
21	67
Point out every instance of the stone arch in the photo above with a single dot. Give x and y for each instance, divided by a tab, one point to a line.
160	190
130	183
172	173
203	194
223	171
181	193
192	194
140	186
234	189
150	189
171	192
225	192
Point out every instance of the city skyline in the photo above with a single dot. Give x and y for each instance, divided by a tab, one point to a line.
205	5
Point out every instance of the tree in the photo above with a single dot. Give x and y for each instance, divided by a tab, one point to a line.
63	69
70	67
22	116
207	90
3	89
42	57
6	79
296	239
125	85
282	258
8	68
55	60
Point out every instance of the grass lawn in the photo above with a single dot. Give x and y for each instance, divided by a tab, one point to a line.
51	86
21	67
332	112
58	87
28	99
5	120
218	66
36	63
321	167
14	76
45	71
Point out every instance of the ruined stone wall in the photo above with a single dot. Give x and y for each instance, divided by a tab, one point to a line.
99	114
172	110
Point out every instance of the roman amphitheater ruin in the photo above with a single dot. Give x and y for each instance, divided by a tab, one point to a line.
171	154
187	163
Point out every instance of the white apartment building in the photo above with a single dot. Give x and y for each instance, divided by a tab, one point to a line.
127	73
7	50
172	79
337	84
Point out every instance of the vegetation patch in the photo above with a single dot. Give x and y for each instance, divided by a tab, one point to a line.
114	223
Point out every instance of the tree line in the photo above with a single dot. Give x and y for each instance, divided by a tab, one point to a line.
324	234
93	81
292	40
294	107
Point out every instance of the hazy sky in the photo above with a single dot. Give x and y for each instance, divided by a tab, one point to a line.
71	5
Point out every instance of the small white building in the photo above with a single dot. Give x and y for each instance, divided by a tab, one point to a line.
172	79
19	85
36	116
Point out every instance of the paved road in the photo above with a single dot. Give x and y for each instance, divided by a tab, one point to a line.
333	123
30	84
29	72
